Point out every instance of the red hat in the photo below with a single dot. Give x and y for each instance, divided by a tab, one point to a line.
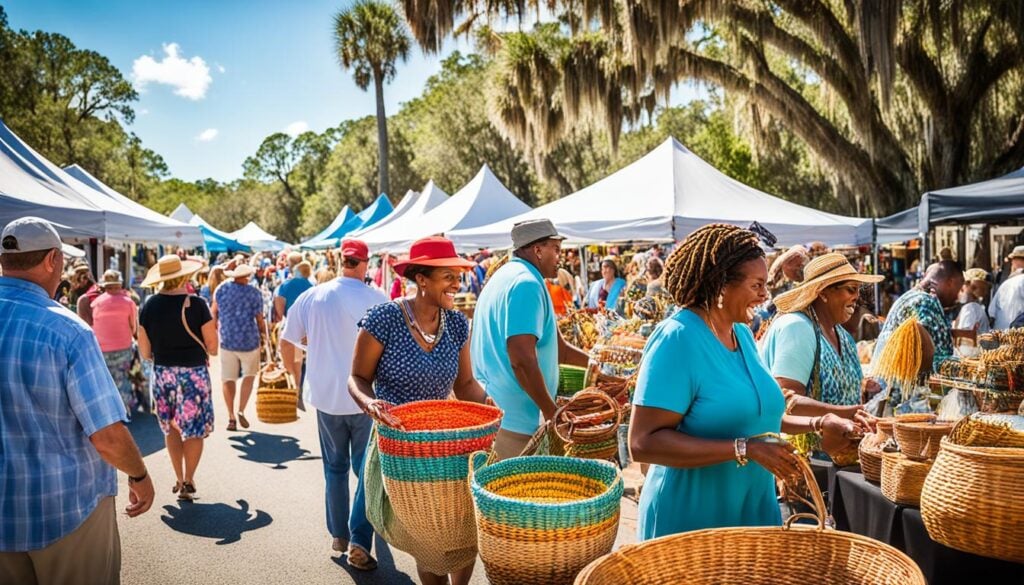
432	251
351	248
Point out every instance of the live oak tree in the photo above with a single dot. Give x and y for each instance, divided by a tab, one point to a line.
894	97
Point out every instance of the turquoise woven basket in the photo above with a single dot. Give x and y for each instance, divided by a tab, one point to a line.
540	520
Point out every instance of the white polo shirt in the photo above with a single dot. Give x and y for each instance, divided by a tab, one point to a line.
328	315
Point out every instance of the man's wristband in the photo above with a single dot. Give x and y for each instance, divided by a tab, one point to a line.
132	479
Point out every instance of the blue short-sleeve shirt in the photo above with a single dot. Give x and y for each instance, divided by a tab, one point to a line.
291	289
514	302
55	392
722	395
406	372
238	305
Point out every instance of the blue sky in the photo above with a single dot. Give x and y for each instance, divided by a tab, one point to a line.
219	76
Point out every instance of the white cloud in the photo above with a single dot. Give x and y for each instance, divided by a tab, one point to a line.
221	69
143	112
296	128
190	78
207	135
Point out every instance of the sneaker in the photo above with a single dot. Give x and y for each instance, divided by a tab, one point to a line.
339	544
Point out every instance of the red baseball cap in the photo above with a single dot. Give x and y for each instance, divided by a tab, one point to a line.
351	248
432	251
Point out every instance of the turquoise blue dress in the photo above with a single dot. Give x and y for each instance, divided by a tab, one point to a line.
721	394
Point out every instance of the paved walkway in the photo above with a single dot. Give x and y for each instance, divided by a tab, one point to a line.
259	517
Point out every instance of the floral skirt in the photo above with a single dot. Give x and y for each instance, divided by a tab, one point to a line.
119	363
182	396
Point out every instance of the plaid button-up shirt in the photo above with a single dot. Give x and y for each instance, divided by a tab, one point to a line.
55	391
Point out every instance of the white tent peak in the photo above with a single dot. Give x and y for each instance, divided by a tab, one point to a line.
664	196
252	232
426	200
182	213
481	201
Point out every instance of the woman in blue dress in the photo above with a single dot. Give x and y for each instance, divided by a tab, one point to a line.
808	351
703	397
605	292
409	350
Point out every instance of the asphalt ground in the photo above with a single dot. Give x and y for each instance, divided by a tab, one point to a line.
259	515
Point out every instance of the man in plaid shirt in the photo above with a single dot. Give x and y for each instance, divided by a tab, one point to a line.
62	430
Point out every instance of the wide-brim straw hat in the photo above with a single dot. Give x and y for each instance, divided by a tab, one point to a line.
170	267
819	274
242	271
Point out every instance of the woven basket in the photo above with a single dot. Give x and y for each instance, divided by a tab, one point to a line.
790	555
276	398
920	440
870	454
903	478
989	430
972	500
570	379
426	466
884	428
584	426
542	519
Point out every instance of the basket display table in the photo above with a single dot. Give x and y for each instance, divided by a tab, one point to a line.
859	506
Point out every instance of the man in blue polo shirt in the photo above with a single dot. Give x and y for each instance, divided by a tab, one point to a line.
61	426
515	345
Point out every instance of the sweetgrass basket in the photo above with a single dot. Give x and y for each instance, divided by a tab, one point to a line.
541	519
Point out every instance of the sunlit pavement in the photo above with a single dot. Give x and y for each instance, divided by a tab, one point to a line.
259	515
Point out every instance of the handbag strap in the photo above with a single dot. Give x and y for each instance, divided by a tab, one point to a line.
184	322
814	389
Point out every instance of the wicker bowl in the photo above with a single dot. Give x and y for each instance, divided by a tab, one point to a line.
790	555
870	454
972	500
903	478
989	430
920	440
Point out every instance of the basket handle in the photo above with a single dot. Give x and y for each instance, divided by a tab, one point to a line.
817	502
484	459
571	418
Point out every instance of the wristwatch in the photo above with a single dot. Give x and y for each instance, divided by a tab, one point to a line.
740	446
132	479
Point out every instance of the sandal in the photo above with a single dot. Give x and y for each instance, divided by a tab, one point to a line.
242	420
176	488
360	559
231	425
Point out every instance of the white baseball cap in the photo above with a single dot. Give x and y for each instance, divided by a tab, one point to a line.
32	234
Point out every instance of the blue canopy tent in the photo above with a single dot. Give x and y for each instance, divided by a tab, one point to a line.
898	227
216	243
346	222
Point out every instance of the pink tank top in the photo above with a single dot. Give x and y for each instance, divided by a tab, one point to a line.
111	322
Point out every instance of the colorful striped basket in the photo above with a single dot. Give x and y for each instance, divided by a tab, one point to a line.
426	466
541	519
570	379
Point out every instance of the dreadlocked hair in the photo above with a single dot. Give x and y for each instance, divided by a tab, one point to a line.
706	261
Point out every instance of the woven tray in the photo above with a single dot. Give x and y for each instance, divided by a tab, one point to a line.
790	555
902	479
972	500
920	440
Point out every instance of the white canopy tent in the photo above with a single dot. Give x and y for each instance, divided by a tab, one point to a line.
425	201
120	222
482	201
182	213
664	196
257	238
403	206
178	232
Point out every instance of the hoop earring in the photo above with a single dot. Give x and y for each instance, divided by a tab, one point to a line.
721	298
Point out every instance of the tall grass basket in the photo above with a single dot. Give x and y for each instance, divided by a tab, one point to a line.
277	397
541	519
426	466
972	500
903	478
920	440
870	455
793	554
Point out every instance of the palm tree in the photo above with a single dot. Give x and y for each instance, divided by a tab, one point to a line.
370	38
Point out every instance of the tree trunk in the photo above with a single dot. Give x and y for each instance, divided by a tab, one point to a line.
383	184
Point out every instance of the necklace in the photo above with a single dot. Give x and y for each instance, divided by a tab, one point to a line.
711	325
411	317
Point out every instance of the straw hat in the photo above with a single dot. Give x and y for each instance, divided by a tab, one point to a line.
170	267
1018	252
243	270
976	274
820	273
110	278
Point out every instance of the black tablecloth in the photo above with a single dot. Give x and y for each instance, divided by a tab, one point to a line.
859	507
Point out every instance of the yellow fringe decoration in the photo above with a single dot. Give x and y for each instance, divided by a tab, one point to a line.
900	360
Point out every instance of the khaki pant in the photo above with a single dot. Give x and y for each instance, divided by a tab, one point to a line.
508	444
90	555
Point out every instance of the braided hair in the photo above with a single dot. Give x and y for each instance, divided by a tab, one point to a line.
706	261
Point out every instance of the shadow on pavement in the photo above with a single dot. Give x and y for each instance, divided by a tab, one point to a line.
147	434
275	450
219	521
386	572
